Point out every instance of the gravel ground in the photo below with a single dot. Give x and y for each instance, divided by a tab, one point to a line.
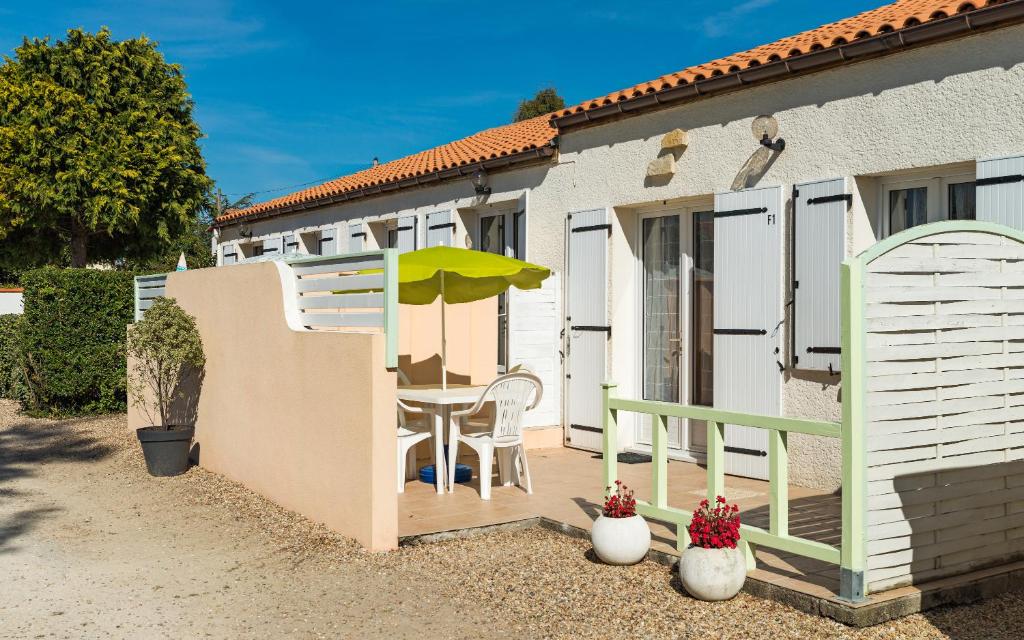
91	546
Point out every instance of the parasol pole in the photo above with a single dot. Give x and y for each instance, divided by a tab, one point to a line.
444	341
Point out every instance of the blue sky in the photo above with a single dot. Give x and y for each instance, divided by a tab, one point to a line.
295	92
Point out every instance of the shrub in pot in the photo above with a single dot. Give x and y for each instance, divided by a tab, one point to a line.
166	351
713	567
619	535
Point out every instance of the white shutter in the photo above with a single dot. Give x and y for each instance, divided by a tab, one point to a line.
587	328
999	195
748	319
328	241
819	245
291	244
406	234
273	246
229	253
440	229
356	236
533	342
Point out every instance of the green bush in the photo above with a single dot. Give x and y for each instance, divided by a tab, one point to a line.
73	339
12	376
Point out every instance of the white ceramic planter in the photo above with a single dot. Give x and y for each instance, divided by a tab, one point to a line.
621	540
712	574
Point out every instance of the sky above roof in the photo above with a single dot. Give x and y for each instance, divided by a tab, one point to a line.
294	93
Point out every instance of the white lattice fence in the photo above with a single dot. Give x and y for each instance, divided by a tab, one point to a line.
944	352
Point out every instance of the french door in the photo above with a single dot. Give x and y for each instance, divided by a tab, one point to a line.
501	232
676	293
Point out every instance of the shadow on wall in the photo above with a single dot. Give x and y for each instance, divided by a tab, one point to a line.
24	448
429	371
937	524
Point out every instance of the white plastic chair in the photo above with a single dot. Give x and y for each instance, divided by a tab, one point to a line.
410	434
511	395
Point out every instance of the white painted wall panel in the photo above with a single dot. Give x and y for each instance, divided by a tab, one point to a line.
819	246
586	312
534	326
1003	200
748	298
11	302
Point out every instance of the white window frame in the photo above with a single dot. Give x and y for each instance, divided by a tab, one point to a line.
686	211
938	194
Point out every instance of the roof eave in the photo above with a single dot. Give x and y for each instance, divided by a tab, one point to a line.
990	17
455	173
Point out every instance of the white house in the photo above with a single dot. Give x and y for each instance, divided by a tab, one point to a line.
696	222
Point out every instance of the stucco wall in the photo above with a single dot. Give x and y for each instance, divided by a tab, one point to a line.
947	103
305	418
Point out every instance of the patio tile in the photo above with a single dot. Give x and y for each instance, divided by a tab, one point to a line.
568	489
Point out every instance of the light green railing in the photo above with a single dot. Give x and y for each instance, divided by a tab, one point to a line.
777	535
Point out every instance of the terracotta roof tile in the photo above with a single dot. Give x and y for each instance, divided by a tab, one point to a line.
479	147
891	17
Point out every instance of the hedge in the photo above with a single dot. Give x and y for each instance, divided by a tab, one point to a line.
73	339
12	376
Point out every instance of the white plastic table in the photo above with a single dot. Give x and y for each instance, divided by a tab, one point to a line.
442	400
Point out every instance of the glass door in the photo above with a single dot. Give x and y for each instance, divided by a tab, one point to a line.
661	325
676	290
493	240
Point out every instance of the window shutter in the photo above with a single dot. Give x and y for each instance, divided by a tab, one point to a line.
291	244
748	319
819	245
406	234
1000	191
328	242
273	246
587	329
229	253
356	236
440	229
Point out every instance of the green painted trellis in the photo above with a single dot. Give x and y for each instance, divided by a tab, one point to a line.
851	554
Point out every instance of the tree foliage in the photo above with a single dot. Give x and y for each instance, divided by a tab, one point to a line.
99	154
546	101
72	339
165	348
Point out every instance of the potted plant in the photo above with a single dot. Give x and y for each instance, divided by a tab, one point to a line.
713	567
166	350
619	535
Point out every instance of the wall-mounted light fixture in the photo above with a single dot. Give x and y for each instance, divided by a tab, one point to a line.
775	145
480	183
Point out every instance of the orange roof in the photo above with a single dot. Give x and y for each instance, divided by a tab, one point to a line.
488	145
902	14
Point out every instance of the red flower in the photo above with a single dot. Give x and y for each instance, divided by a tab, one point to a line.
715	528
620	504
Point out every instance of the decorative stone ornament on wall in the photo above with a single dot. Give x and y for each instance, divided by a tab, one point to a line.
673	144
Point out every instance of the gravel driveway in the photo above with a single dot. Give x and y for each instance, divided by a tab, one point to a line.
92	547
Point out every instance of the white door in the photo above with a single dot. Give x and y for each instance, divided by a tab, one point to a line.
748	318
586	325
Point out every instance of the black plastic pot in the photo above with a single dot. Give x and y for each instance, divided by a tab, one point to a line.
166	450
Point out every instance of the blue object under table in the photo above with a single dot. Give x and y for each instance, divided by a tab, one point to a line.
463	474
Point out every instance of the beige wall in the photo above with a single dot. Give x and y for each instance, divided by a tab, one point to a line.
472	331
305	418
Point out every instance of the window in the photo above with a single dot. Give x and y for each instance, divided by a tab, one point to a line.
392	236
961	201
907	208
907	202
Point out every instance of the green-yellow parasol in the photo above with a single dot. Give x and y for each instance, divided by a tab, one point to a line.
460	275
